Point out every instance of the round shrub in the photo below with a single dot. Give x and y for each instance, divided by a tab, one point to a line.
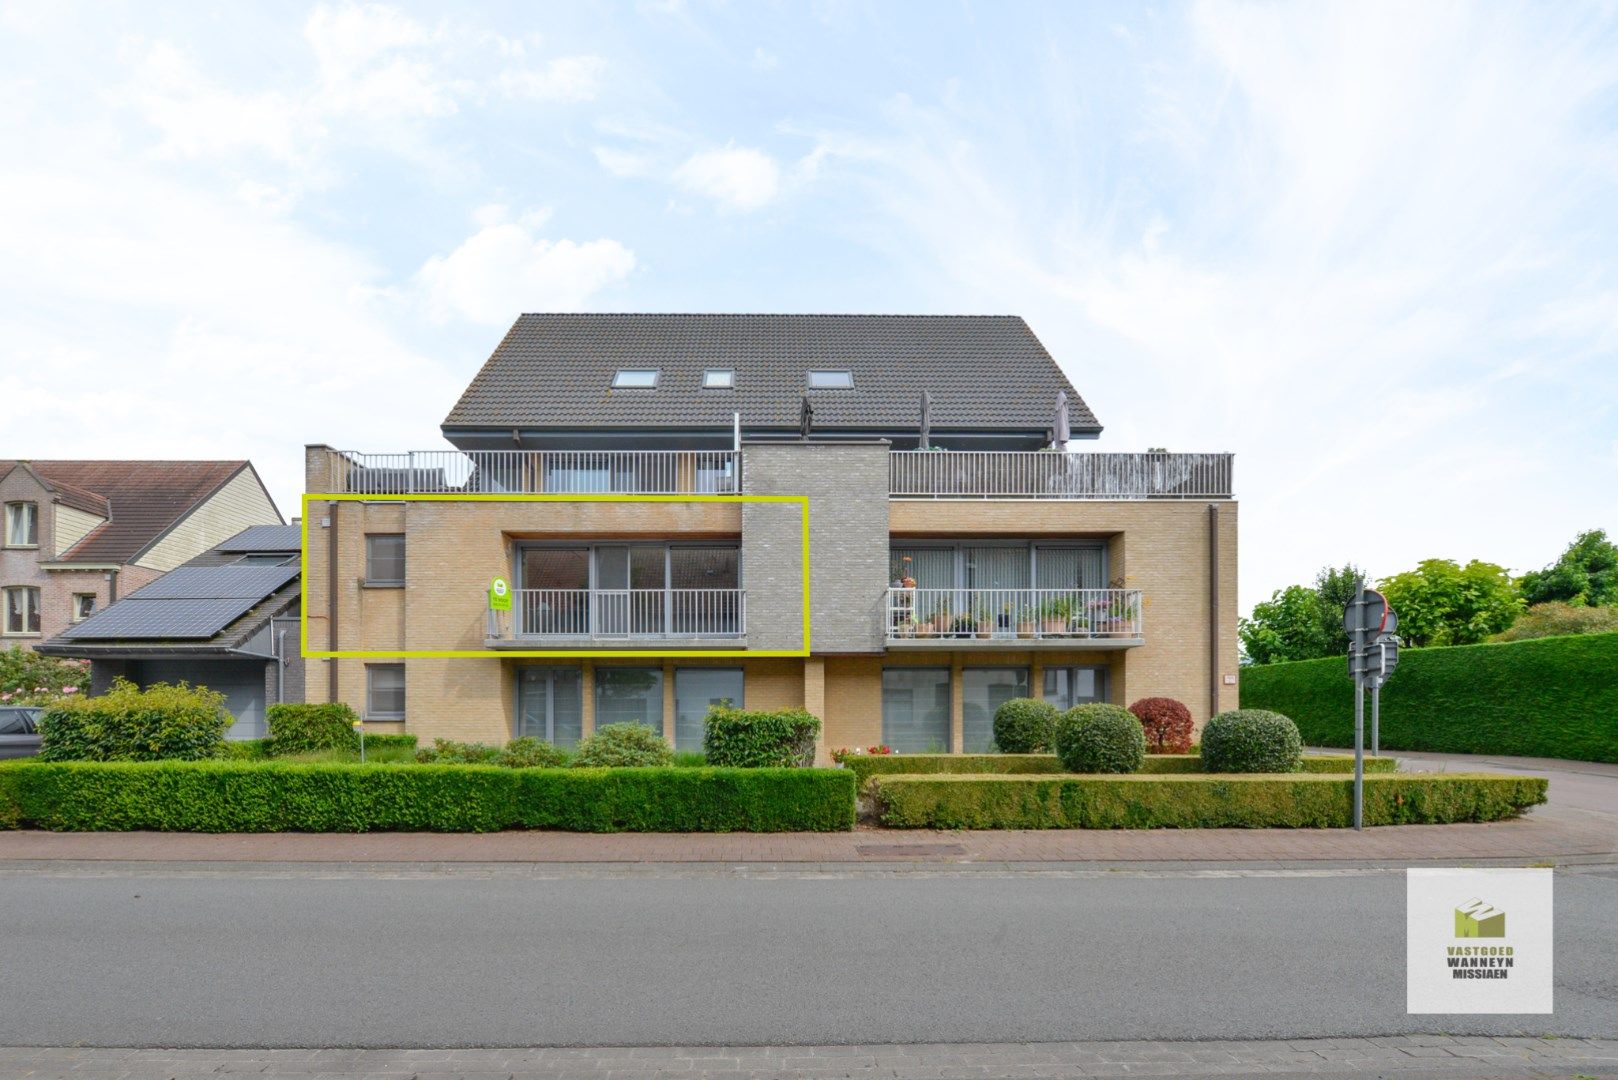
1099	738
1167	724
302	727
621	745
759	740
130	723
1025	726
1251	741
530	753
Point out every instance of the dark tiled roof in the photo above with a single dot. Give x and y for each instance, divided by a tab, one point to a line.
983	372
265	538
143	499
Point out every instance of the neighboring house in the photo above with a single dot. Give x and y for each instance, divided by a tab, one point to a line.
227	620
79	534
942	581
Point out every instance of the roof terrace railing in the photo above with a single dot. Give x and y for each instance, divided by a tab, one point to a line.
997	474
570	472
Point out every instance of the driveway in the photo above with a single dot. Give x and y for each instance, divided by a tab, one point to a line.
1578	785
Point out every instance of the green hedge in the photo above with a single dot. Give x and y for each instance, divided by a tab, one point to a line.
132	723
871	765
273	796
745	739
1195	802
262	749
297	728
1549	697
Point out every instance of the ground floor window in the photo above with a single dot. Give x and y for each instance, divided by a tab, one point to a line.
626	695
915	709
983	690
384	691
1066	687
550	704
696	690
22	609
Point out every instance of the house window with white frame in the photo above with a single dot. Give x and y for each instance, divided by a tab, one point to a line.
21	610
84	605
22	524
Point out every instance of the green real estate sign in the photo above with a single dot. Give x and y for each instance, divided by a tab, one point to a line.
499	595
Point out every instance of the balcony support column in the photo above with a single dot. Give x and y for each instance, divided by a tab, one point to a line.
814	700
1036	677
957	705
668	701
587	698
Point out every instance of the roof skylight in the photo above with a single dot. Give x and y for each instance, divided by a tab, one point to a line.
635	379
831	380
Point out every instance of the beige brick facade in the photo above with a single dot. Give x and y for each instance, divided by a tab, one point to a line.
453	550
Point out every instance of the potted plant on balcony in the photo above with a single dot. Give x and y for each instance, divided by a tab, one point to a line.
962	626
1026	622
1054	614
983	622
927	625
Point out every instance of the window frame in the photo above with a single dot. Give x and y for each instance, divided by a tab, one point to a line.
31	514
1027	672
949	706
740	701
1103	673
73	610
371	711
374	582
620	382
959	548
31	613
729	377
596	688
845	375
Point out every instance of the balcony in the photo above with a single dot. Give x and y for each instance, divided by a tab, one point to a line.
563	617
996	474
569	472
1014	618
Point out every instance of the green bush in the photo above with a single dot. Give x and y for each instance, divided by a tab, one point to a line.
1098	738
531	753
1167	724
299	728
1025	726
623	746
127	723
275	796
1251	741
31	678
1196	802
1555	619
1550	697
450	752
742	739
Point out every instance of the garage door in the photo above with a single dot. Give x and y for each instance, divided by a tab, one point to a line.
241	681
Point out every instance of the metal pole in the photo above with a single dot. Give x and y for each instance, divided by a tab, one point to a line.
1359	753
1376	718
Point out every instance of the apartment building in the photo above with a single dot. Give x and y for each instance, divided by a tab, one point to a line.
880	519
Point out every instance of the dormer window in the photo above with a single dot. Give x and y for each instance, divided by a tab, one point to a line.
719	379
831	380
635	379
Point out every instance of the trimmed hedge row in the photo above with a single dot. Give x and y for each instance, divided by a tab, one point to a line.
231	796
1548	697
1199	802
263	749
1023	764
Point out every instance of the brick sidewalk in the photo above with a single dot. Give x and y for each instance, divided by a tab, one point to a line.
1546	834
1403	1055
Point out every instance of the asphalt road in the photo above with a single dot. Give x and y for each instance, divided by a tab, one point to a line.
467	959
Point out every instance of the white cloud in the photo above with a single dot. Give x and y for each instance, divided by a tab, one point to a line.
504	269
764	60
621	163
566	78
736	178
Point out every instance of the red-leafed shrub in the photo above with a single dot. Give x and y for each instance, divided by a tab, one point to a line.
1167	724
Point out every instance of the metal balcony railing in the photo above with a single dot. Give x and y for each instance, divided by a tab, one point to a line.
570	472
1035	614
1007	474
622	613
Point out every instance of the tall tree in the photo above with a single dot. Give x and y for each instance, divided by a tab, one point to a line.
1287	626
1336	587
1441	602
1586	574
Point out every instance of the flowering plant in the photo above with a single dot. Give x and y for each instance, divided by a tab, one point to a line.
27	678
847	752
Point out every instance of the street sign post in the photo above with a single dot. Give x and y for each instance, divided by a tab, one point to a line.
1370	624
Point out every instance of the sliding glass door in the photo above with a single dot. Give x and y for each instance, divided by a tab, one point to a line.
550	704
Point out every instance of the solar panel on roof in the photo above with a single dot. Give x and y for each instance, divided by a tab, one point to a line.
217	583
139	619
265	538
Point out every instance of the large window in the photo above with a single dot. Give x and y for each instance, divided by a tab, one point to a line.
22	609
628	590
1066	687
550	704
983	690
384	559
915	709
629	696
696	690
22	524
384	691
999	566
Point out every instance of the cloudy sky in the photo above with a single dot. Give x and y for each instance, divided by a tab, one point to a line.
1373	250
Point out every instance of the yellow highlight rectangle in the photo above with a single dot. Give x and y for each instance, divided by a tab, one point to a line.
424	654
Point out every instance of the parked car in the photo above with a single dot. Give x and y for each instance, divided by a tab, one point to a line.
19	731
